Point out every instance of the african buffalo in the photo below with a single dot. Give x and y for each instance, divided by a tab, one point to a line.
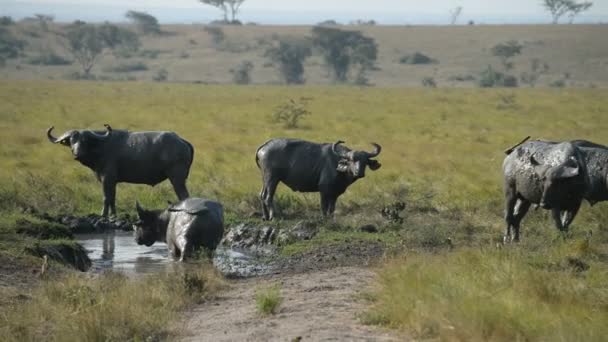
131	157
549	174
310	167
185	226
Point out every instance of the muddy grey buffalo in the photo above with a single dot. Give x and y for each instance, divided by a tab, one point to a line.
549	174
310	167
185	226
131	157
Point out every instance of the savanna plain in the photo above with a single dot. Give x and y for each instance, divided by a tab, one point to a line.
444	273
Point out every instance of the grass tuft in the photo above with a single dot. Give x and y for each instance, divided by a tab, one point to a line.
268	300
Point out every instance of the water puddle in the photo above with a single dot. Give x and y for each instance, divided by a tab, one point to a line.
118	251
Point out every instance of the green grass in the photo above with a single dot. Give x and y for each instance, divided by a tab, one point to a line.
499	295
268	300
442	156
110	307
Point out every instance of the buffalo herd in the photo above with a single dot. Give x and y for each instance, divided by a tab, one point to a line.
556	176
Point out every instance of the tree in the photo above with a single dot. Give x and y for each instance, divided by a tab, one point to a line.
145	23
10	46
86	42
559	8
342	50
506	51
231	7
455	14
289	55
576	9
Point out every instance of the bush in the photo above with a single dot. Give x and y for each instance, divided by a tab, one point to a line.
342	50
491	78
216	33
6	21
10	46
127	67
241	74
429	82
48	58
417	58
161	76
289	56
145	23
506	51
461	78
290	113
267	300
558	83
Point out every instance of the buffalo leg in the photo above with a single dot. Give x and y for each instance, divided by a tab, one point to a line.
331	205
109	196
264	207
569	215
556	213
268	200
178	180
324	204
510	201
521	209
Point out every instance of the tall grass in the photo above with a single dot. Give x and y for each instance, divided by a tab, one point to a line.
108	308
511	294
268	299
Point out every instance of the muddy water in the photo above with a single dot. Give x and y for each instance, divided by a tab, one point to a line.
118	251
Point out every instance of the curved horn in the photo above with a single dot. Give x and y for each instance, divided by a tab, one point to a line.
61	140
340	154
377	149
102	136
50	136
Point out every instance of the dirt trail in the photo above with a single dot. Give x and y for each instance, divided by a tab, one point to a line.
317	306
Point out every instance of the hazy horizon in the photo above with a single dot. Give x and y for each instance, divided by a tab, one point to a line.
275	12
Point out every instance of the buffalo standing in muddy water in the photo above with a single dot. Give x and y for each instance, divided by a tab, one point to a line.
310	167
131	157
549	174
185	226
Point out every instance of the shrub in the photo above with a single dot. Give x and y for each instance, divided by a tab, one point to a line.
6	21
48	58
267	300
241	74
10	46
290	113
145	23
161	76
127	67
558	83
289	56
417	58
491	78
342	50
506	51
461	78
216	33
429	82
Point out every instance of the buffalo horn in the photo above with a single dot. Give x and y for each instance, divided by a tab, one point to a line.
60	140
377	149
334	148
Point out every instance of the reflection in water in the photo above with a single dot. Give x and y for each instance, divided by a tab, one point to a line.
117	250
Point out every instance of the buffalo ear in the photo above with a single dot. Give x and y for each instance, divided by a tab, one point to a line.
342	165
373	164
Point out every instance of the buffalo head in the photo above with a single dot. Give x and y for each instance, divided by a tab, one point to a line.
354	162
147	229
557	181
82	142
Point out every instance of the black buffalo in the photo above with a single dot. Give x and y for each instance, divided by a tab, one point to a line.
310	167
131	157
549	174
185	226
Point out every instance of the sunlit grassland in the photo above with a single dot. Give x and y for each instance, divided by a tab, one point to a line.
109	307
442	156
447	142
